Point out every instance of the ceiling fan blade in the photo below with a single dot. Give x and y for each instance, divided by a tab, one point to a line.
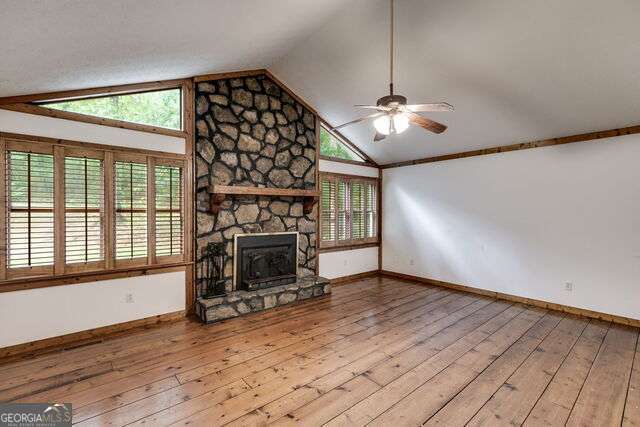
379	137
374	107
425	123
438	106
361	119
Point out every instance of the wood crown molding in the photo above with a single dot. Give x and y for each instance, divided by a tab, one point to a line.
583	137
90	336
517	299
229	75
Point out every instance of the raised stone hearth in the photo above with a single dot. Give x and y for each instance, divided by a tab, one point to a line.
238	303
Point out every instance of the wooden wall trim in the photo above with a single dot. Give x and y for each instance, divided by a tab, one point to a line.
90	336
92	92
349	162
229	75
189	100
518	299
25	283
380	219
318	203
583	137
85	118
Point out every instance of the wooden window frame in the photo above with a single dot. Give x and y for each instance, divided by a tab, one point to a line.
61	272
350	146
31	104
329	246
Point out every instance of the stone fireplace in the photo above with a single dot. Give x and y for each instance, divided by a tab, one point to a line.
252	134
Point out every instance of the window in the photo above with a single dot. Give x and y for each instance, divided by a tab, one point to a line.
84	205
349	210
160	108
131	210
168	210
30	209
332	146
72	208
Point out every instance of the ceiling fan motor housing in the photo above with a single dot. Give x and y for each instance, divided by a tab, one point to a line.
392	101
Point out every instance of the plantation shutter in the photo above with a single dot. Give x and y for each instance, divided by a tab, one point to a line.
371	208
130	210
84	201
343	211
357	210
348	213
30	209
168	184
328	210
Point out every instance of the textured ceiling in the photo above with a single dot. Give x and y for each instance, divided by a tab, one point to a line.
514	70
49	45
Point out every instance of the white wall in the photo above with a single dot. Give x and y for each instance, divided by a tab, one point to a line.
524	223
345	263
47	312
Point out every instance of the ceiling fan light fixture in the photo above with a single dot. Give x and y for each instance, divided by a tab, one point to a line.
391	124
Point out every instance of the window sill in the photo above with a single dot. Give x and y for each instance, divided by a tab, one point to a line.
34	282
348	247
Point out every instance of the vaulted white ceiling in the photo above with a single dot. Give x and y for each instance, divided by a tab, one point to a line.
514	70
48	45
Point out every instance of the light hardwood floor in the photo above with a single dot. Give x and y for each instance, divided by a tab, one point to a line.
379	351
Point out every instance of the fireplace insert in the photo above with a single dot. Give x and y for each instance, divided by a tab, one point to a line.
265	260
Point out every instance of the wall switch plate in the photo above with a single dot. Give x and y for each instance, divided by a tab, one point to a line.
568	286
128	298
411	261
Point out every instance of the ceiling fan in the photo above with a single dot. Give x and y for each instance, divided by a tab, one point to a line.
394	114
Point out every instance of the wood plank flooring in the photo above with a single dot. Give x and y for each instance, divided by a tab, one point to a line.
378	351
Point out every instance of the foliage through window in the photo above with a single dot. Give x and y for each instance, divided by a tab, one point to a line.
349	210
331	146
157	108
131	210
83	209
30	209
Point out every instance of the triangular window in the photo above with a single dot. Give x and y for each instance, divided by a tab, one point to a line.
161	108
332	146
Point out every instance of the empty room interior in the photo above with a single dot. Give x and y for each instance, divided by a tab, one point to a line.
337	212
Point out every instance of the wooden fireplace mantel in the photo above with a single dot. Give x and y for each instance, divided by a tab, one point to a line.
218	193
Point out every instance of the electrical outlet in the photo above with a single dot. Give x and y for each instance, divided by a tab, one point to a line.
128	298
568	286
411	261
